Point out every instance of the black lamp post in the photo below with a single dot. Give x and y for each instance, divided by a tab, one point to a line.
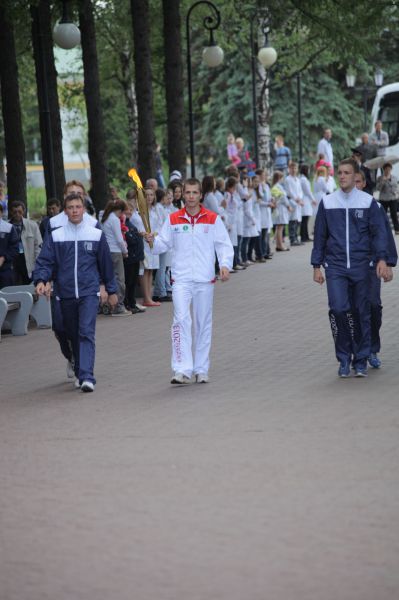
267	56
365	90
212	56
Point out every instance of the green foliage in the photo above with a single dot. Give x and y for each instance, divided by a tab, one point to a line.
36	201
324	104
319	38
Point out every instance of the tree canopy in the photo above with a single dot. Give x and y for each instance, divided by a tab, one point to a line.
318	39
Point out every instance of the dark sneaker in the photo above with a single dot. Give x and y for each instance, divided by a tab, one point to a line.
344	370
374	361
87	386
361	372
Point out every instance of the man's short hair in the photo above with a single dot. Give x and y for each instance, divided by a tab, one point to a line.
73	196
192	181
352	163
74	182
16	204
53	202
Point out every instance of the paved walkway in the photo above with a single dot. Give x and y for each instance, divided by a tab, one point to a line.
277	481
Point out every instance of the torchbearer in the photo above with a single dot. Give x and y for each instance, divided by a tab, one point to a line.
194	234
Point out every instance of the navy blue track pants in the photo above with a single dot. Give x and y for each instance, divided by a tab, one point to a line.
349	303
79	316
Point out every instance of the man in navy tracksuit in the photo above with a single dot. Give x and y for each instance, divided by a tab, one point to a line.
375	283
54	222
349	232
77	257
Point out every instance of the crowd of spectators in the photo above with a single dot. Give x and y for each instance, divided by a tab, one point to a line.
262	212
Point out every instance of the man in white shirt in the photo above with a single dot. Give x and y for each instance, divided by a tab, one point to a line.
324	147
380	139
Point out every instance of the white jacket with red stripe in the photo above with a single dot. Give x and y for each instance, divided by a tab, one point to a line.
194	245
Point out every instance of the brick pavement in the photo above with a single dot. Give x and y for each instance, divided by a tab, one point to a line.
277	481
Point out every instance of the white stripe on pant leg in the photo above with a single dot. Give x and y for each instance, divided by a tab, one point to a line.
202	315
182	358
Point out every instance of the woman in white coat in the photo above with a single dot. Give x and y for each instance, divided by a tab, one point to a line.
309	203
250	230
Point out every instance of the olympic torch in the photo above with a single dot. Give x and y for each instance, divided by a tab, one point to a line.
142	205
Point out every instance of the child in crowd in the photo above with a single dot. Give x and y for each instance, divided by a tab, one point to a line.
111	225
309	202
232	152
320	185
294	192
160	292
283	208
177	188
249	224
266	207
232	202
131	262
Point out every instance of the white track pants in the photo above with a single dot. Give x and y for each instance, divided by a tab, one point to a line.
200	295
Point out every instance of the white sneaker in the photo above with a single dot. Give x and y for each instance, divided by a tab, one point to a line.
76	383
87	386
141	307
180	378
70	369
202	378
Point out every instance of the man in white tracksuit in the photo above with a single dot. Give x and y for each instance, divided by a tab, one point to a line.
194	234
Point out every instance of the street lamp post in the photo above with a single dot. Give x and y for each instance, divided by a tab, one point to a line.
212	56
351	81
267	56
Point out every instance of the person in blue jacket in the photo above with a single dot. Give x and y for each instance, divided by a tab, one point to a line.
375	284
9	247
349	233
77	257
54	222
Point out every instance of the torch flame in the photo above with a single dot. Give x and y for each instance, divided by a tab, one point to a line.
134	175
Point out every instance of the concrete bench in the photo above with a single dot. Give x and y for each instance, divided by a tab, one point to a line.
14	311
41	307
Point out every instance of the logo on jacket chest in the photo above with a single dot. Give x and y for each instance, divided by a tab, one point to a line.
88	246
359	213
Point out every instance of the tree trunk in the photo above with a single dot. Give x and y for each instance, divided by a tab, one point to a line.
173	68
143	77
13	135
97	145
131	103
49	109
